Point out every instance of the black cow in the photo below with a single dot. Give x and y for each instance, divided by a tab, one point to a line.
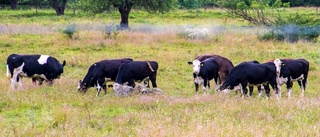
37	67
208	71
138	71
254	74
291	70
225	65
99	73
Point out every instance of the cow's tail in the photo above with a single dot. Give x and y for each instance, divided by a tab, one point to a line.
150	66
8	72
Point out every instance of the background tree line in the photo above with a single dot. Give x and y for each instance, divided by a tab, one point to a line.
257	12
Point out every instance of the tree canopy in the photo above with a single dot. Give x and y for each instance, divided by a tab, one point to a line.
124	7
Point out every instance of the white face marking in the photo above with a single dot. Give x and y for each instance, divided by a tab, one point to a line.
196	66
277	63
43	59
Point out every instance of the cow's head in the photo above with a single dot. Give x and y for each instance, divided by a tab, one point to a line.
196	66
60	71
82	87
232	80
278	64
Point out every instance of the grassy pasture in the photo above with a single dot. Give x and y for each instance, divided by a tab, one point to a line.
61	111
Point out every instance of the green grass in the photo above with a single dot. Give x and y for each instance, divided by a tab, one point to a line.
61	111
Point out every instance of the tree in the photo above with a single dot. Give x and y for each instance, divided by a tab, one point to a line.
59	6
124	7
13	4
253	11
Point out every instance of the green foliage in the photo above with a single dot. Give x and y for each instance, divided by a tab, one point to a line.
70	30
294	28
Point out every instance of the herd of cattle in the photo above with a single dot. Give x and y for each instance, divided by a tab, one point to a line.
125	72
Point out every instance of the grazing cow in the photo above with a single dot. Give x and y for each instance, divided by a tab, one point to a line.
37	67
138	71
291	70
208	71
251	73
100	73
251	86
225	65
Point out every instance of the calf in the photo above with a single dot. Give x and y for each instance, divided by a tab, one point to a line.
291	70
252	73
99	73
37	67
208	71
139	71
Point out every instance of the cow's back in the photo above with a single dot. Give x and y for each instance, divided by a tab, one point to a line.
137	70
104	69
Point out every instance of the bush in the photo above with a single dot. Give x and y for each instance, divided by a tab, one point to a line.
70	30
291	33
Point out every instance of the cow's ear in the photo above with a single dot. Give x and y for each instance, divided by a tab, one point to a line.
189	62
64	63
201	64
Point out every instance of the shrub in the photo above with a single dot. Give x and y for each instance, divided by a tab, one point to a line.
291	33
70	30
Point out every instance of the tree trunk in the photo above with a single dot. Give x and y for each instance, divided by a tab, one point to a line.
13	4
124	10
59	7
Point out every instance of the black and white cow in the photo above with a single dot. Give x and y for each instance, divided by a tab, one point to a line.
136	71
37	67
225	66
208	71
99	73
291	70
253	74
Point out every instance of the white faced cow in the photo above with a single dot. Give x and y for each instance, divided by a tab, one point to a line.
291	70
37	67
224	67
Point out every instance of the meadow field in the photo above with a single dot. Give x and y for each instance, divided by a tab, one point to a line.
59	110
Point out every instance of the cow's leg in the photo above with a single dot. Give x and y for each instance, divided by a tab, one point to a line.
197	87
100	83
41	81
302	87
34	81
244	90
267	90
289	86
19	83
205	84
14	80
104	87
250	90
260	90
